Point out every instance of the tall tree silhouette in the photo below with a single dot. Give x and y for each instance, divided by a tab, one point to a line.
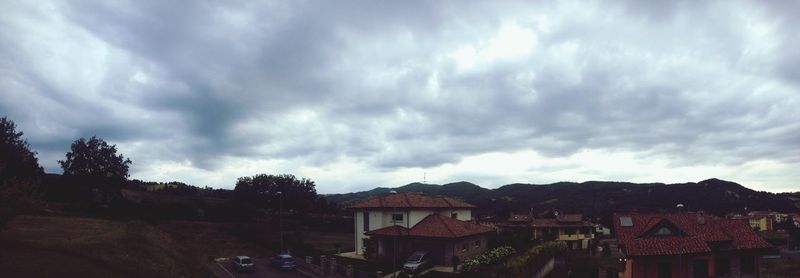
262	191
94	173
20	173
95	158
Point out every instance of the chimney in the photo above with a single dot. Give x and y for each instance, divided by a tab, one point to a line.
530	215
701	219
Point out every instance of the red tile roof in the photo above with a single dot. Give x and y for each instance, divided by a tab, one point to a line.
411	200
701	233
555	223
569	218
435	225
519	218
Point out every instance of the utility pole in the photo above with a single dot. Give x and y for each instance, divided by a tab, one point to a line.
680	245
280	218
394	249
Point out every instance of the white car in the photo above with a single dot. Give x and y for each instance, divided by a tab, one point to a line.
244	264
417	262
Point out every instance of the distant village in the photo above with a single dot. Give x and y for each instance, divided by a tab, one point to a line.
391	229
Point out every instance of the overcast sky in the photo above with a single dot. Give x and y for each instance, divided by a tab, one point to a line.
355	95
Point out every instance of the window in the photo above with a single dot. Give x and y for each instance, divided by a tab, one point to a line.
454	215
664	270
366	221
397	217
464	247
722	266
477	243
626	221
748	264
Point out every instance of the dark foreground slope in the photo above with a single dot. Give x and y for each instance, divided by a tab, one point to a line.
597	198
60	246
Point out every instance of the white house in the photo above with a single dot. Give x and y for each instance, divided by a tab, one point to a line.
438	224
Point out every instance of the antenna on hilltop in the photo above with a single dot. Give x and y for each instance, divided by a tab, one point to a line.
425	177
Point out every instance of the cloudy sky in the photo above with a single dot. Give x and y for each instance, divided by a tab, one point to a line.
355	95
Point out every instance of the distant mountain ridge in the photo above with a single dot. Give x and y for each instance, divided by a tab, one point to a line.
596	198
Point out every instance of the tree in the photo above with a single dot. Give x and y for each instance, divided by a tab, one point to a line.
261	191
95	159
17	161
20	173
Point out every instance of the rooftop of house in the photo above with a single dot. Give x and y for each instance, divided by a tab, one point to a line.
564	220
569	218
434	225
555	223
519	218
410	200
651	234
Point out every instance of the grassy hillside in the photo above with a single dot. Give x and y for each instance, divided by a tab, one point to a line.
86	247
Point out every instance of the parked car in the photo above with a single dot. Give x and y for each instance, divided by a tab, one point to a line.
284	262
417	262
244	264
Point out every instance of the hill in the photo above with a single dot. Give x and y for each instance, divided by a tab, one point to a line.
463	190
596	198
45	246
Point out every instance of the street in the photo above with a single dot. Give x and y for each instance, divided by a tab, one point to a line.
227	269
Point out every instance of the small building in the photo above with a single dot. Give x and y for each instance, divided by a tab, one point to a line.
409	222
570	228
758	221
516	224
687	245
602	231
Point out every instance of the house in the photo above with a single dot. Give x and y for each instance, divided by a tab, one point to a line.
602	231
570	228
796	219
687	245
758	220
392	227
516	224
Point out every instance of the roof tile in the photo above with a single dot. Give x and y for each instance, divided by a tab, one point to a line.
411	200
435	225
702	231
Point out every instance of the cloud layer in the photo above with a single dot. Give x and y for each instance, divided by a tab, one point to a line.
359	94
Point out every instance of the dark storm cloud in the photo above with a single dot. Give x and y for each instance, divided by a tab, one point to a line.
407	84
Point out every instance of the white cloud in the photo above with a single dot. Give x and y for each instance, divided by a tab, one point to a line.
356	95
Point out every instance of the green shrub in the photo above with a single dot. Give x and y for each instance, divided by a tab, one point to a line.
491	257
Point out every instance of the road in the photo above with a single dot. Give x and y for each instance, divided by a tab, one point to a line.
263	269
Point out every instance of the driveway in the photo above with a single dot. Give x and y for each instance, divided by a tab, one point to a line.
226	269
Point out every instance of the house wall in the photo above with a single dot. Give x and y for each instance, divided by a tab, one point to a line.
386	219
683	266
579	239
472	250
441	249
648	266
463	214
417	215
383	218
454	247
376	221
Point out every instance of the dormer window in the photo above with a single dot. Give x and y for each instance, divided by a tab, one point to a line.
663	228
397	217
663	231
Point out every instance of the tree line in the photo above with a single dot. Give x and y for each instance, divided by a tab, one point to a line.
95	175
